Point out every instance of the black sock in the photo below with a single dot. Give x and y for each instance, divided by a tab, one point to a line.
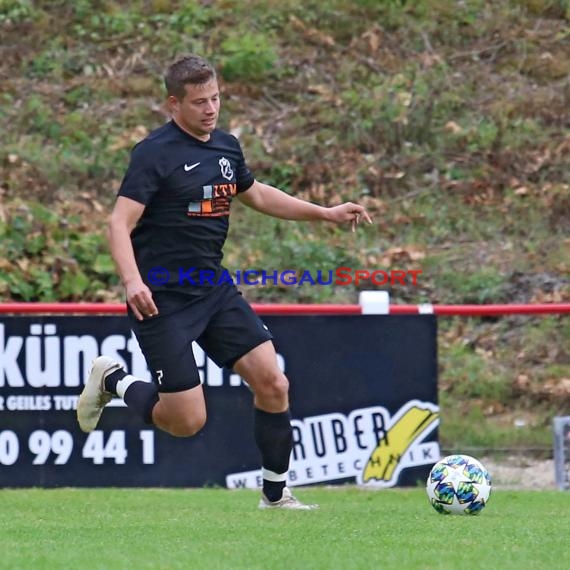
141	397
273	490
112	379
274	438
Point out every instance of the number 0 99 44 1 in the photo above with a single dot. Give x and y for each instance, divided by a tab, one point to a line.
57	447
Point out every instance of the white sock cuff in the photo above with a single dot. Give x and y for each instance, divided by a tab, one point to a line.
124	383
272	476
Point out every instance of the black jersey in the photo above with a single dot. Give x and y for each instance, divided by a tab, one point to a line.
187	186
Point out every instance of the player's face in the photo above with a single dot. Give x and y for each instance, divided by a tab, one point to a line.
198	111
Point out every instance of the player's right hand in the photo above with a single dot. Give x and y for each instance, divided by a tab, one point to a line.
139	299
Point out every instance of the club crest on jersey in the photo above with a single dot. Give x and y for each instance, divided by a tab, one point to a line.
226	168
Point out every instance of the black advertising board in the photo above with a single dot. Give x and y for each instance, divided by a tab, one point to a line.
363	400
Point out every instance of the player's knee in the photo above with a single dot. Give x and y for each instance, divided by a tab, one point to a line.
275	386
187	426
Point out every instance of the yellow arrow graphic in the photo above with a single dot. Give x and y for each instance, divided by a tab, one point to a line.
385	458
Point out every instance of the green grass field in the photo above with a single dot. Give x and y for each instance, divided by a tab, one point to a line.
163	529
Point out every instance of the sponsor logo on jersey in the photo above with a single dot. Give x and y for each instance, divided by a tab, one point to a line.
216	199
226	168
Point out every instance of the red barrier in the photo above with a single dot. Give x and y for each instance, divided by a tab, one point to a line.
304	309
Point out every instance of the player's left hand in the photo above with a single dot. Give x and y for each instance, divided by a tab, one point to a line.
349	212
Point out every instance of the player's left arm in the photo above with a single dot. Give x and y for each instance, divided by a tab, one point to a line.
274	202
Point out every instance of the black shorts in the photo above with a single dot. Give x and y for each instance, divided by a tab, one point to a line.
223	324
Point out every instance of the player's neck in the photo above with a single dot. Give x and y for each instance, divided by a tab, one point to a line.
204	137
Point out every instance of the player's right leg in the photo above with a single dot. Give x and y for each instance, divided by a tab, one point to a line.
181	414
94	396
174	400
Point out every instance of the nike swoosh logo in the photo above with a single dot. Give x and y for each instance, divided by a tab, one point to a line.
189	168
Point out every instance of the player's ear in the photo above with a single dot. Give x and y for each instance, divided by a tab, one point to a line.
173	103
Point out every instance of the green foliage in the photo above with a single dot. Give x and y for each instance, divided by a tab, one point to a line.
38	117
248	57
548	8
373	99
299	248
489	381
397	109
188	17
477	286
283	174
447	119
470	375
549	333
16	11
46	258
465	429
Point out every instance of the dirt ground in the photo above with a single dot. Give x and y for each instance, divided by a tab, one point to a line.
520	473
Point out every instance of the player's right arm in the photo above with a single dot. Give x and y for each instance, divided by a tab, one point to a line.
124	217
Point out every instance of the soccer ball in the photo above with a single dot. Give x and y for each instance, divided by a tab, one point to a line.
459	485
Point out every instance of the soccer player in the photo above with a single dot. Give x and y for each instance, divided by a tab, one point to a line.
166	233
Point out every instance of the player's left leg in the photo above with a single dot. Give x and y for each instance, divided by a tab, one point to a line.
272	420
272	425
238	339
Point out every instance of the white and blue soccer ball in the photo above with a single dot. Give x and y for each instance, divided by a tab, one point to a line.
458	485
